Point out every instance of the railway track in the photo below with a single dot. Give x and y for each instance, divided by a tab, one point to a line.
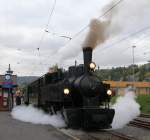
141	122
109	134
144	115
121	136
98	135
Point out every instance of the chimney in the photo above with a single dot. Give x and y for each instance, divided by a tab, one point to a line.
9	71
87	56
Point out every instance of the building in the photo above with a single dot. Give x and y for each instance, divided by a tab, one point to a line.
8	85
120	86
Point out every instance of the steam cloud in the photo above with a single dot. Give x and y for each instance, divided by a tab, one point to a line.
36	116
126	109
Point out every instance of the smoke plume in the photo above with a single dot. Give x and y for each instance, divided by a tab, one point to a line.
96	34
122	20
126	109
36	116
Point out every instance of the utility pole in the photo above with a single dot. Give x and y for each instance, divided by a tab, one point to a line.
133	64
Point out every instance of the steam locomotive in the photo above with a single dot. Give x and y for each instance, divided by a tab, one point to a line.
78	94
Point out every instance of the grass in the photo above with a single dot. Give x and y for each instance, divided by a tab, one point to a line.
143	100
113	99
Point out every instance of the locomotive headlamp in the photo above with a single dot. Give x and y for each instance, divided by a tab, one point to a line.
92	65
109	92
66	91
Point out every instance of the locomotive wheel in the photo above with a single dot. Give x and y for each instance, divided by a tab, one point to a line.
52	110
86	125
64	115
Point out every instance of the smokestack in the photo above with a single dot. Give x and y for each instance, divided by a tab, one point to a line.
87	56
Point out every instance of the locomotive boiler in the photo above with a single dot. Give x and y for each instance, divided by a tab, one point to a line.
81	97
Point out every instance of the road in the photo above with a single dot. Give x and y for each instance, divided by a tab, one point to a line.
11	129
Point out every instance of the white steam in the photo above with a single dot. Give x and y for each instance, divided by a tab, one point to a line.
36	116
126	109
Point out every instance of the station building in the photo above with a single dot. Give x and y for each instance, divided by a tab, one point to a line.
8	85
120	86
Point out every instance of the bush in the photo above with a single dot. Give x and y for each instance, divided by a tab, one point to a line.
113	99
144	101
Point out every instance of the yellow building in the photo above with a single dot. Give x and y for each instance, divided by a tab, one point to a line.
120	86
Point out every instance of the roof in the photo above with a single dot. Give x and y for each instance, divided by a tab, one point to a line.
124	84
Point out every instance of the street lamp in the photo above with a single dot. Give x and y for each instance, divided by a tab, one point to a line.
148	65
133	62
148	61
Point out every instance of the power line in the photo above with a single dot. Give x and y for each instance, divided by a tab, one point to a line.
99	17
123	39
48	22
46	26
105	13
138	41
144	52
51	13
145	37
145	45
85	27
126	37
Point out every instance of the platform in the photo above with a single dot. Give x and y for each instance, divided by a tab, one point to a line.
11	129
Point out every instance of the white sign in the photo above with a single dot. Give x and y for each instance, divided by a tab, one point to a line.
5	94
5	103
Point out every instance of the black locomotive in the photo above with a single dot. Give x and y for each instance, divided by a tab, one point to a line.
78	94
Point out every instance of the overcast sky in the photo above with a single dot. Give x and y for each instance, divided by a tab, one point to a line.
22	25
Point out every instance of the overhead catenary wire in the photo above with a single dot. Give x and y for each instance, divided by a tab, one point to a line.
139	41
99	17
51	12
85	27
143	53
47	24
127	37
120	40
132	34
